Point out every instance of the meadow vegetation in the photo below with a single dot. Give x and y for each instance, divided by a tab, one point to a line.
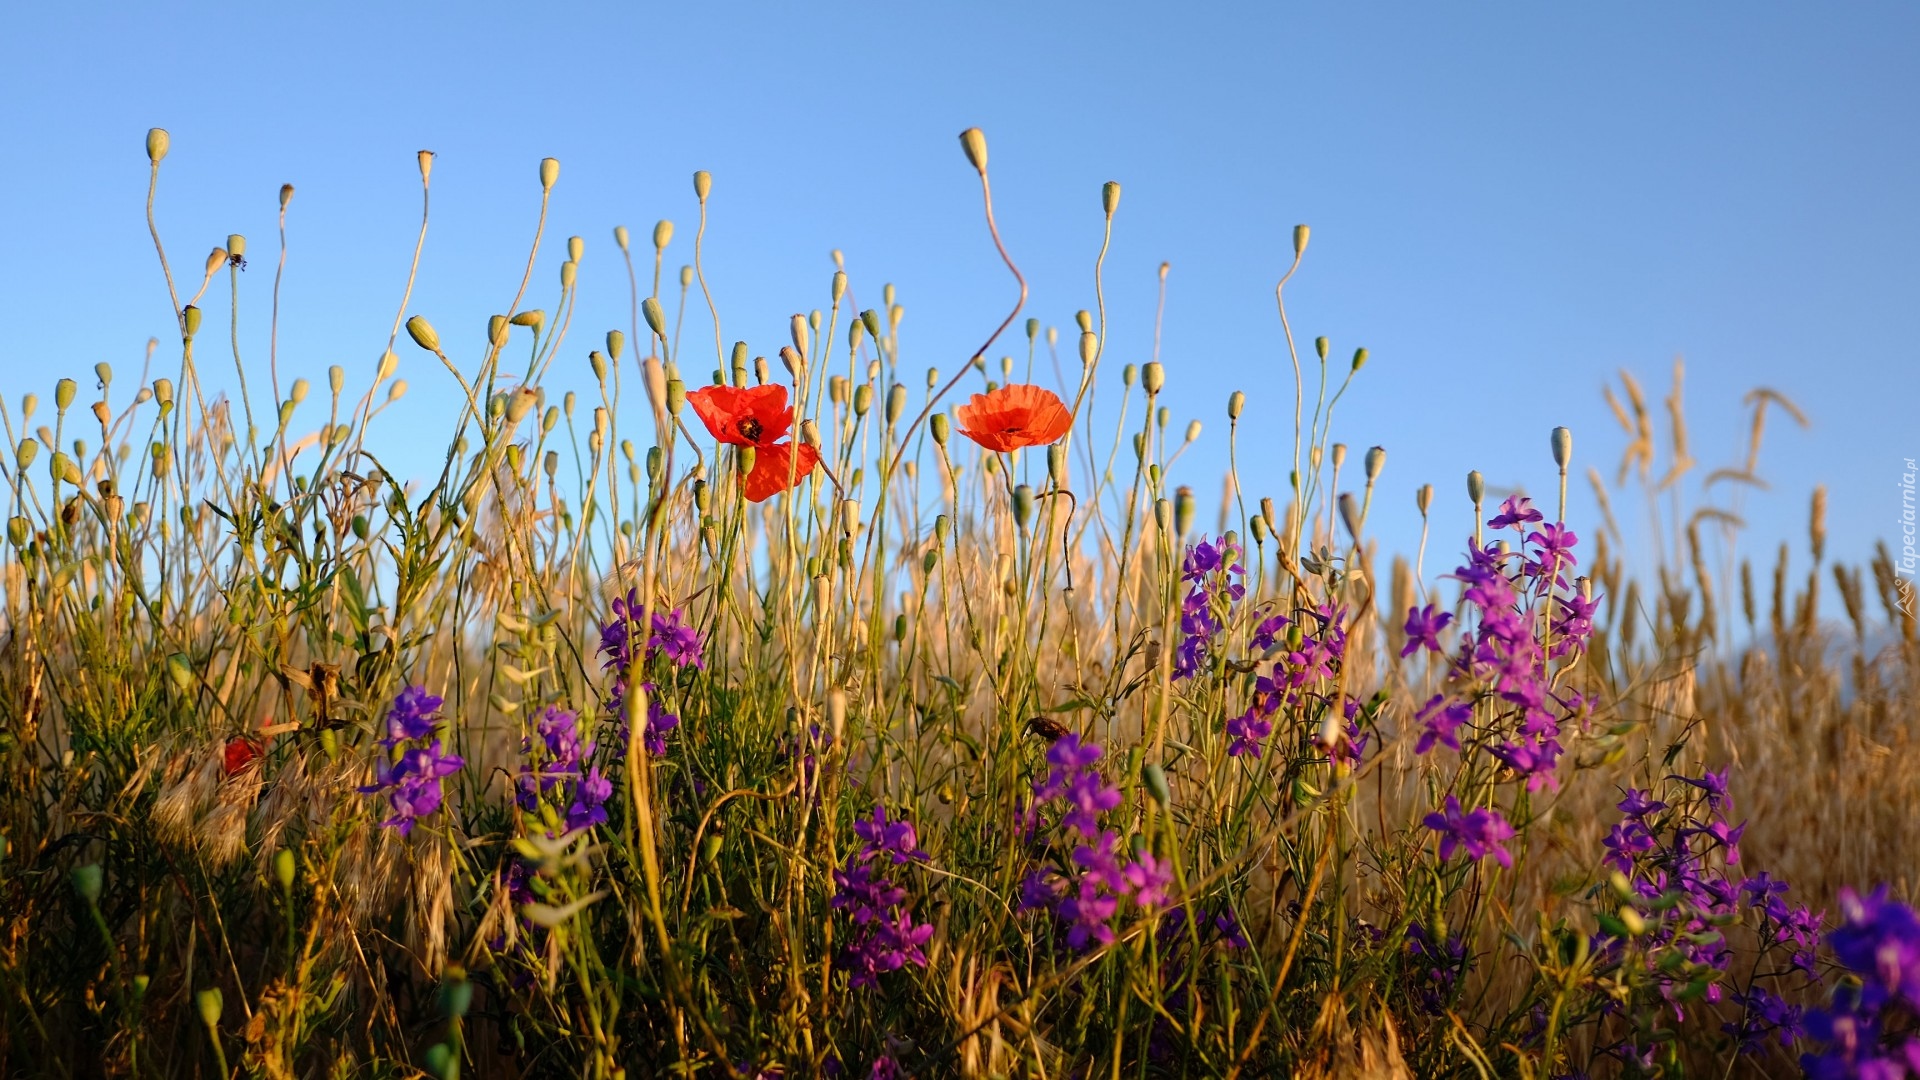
745	717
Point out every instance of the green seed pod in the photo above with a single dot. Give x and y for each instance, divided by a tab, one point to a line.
862	399
899	628
1162	416
686	276
1193	430
569	273
1183	510
896	403
576	247
929	560
190	319
1057	464
549	173
1089	347
974	142
157	143
616	344
1139	447
940	426
1236	402
656	318
362	528
702	496
941	528
1129	375
63	392
550	464
336	379
1376	460
839	285
1359	359
389	363
856	331
163	391
1022	505
1320	346
1423	498
236	245
180	670
1562	447
1476	487
1033	330
662	234
25	453
676	396
933	378
297	393
104	372
1110	196
29	403
1299	240
63	469
702	184
18	530
1154	779
532	317
1163	515
283	869
497	330
1257	525
1154	377
87	881
620	236
210	1005
421	331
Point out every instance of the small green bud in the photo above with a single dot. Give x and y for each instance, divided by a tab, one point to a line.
297	393
569	273
1033	330
941	528
103	371
362	528
1376	460
87	881
839	288
421	331
1154	377
662	234
862	399
676	396
1163	515
702	184
180	670
532	317
1154	779
616	344
620	236
1299	240
283	869
1320	346
1022	505
1110	196
1236	402
1257	525
389	363
1129	375
1057	464
157	143
940	425
1359	359
19	529
63	392
25	453
896	403
1089	347
1562	447
336	378
549	173
686	276
62	468
656	318
190	319
1183	506
1193	430
576	247
497	330
1476	487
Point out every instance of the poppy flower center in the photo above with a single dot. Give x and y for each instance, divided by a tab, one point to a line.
749	429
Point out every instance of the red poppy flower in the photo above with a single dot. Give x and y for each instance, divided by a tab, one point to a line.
743	415
1014	416
240	753
777	468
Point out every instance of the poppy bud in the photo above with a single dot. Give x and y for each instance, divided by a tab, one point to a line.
974	142
1110	196
656	318
1129	375
839	284
616	344
760	373
157	143
1423	498
896	403
216	259
942	526
850	517
422	333
1376	460
1476	488
209	1003
676	396
297	393
1057	464
1562	447
549	173
1359	359
87	881
1089	347
810	434
1350	514
1022	505
532	317
336	378
656	377
1257	525
662	234
569	273
575	248
1183	510
1033	330
1299	240
1163	515
1154	779
283	869
620	237
1193	430
497	330
797	327
1236	402
702	184
862	399
25	453
1139	446
190	319
1320	346
389	363
1154	377
929	560
62	468
519	404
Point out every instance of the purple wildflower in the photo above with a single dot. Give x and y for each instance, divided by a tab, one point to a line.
1441	719
411	768
1481	832
1423	629
1516	512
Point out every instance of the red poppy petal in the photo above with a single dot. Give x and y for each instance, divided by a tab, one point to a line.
777	468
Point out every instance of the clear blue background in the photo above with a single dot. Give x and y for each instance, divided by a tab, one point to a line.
1508	203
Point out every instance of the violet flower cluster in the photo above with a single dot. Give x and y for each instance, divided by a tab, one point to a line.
669	636
1677	855
1869	1030
413	764
1212	572
1087	894
559	761
1309	657
885	937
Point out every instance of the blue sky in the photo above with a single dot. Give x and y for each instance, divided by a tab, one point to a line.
1508	202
